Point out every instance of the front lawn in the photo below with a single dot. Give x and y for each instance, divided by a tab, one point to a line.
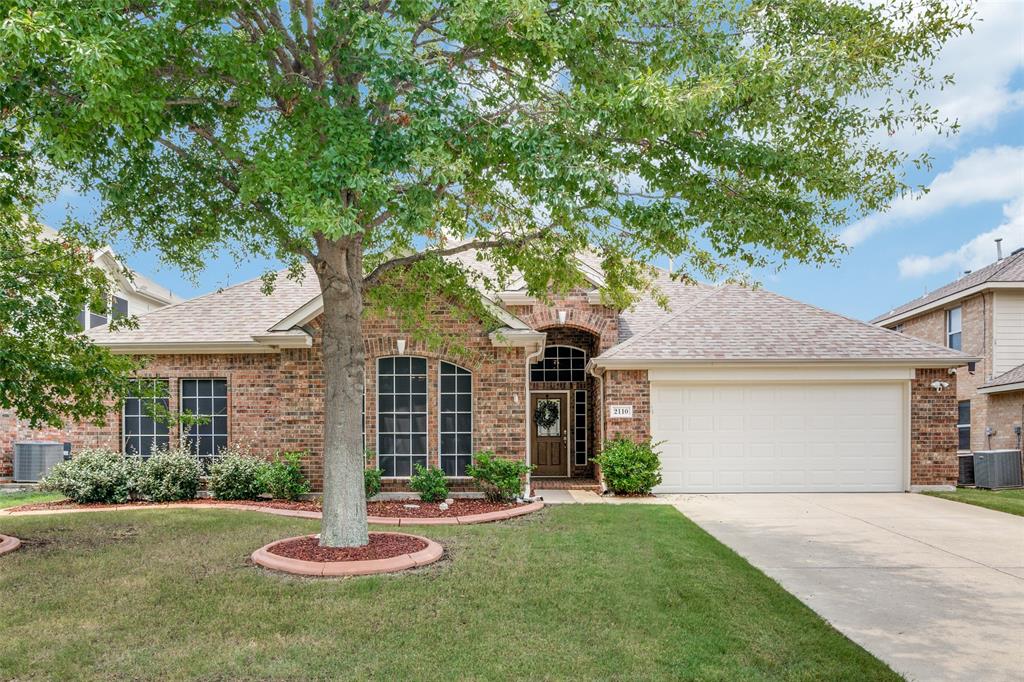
578	591
1009	501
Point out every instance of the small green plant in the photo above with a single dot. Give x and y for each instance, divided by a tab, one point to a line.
237	475
630	468
95	476
283	478
371	482
500	479
169	475
430	483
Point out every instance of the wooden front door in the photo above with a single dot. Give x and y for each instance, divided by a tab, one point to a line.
550	444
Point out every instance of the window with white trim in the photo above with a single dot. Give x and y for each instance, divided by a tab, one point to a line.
401	414
456	430
560	363
580	428
963	425
142	430
954	328
207	401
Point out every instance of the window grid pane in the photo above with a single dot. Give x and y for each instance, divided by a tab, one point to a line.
456	430
206	399
560	363
141	433
580	430
401	415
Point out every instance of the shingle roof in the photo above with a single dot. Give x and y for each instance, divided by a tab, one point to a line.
1014	376
1009	269
232	315
738	323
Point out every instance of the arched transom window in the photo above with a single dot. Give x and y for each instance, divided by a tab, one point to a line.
560	363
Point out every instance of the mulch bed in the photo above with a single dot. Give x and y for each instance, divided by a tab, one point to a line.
459	507
382	546
390	509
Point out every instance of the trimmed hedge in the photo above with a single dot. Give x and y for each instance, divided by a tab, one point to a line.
629	468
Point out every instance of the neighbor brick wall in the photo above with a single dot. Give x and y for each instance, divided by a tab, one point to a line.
933	438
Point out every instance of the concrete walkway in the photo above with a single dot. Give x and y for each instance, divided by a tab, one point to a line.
552	496
932	587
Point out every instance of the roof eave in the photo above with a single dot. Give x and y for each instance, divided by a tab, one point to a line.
645	363
186	347
944	301
1003	388
517	338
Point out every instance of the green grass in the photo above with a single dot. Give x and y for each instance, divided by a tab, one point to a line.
1009	501
26	497
573	592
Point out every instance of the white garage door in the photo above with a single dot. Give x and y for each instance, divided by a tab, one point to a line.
779	437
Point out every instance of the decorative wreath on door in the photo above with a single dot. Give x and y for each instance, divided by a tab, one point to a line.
546	414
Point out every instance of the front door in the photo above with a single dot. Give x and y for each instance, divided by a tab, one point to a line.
550	433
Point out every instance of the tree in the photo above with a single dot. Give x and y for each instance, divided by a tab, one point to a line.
376	139
49	371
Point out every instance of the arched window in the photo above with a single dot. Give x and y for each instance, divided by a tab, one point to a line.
560	363
456	432
401	414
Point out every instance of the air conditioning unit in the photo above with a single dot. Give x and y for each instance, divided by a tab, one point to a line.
998	469
33	459
966	476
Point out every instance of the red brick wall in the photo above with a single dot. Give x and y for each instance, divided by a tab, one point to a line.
627	387
275	401
933	437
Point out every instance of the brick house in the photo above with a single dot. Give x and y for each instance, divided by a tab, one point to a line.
982	313
743	389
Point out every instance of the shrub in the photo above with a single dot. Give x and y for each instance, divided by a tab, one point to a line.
500	479
283	478
430	483
629	468
94	476
169	476
237	476
371	482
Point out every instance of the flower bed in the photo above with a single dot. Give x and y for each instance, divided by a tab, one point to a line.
404	513
386	553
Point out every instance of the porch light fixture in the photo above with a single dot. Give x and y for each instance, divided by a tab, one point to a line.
561	316
939	385
400	343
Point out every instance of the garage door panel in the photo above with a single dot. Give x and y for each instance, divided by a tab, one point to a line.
779	437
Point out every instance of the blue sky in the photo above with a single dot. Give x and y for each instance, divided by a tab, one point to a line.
977	192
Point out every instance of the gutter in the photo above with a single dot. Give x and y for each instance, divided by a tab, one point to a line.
531	357
1003	388
647	363
599	377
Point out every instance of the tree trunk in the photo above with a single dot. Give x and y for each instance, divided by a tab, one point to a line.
339	267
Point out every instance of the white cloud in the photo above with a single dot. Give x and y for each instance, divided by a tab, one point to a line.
986	174
976	253
983	64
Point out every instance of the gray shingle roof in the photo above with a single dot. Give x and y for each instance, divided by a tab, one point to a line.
738	323
231	315
1009	269
1014	376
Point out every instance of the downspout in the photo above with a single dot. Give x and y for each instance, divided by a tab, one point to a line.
530	359
592	369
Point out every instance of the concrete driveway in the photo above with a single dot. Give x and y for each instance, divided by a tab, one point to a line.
934	588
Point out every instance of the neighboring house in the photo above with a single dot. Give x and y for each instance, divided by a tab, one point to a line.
982	313
135	295
744	390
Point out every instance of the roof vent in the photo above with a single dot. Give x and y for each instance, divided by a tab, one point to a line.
966	272
999	248
1016	251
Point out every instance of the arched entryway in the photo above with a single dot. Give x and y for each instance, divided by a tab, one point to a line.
562	405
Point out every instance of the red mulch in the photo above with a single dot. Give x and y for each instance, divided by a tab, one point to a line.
382	546
459	507
394	508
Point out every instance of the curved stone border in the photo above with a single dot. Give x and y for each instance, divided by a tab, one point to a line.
486	517
8	544
428	555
